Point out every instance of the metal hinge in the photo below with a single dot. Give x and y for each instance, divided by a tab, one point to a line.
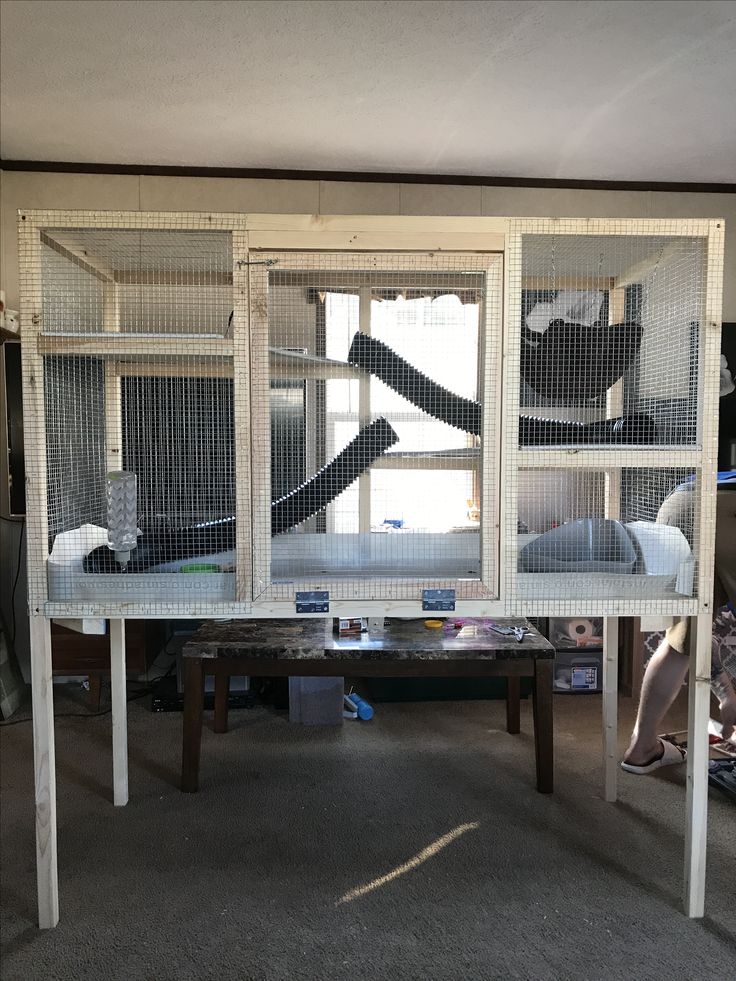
313	601
255	262
438	599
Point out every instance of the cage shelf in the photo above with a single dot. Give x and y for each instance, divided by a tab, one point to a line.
115	345
453	459
606	457
296	365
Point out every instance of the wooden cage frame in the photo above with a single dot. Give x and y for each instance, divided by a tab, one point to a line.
494	242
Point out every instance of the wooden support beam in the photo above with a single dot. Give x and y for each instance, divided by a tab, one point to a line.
640	270
119	713
142	345
610	708
82	262
696	804
364	412
44	755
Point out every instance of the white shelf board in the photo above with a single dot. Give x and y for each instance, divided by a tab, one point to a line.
293	364
455	459
604	457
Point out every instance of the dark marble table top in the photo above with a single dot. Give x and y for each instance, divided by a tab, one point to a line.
315	639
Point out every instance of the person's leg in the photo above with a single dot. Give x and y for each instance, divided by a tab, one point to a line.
663	679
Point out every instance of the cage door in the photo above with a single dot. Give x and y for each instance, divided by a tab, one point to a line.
374	383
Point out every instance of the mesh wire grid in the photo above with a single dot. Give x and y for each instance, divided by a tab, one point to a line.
134	339
609	329
375	367
645	547
139	281
172	426
609	325
150	372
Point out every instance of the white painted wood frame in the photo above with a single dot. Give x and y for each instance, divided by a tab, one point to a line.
610	708
269	600
244	463
119	698
245	357
696	803
44	755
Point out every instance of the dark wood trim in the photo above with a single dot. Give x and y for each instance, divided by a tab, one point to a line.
344	667
222	690
263	173
192	724
513	704
543	724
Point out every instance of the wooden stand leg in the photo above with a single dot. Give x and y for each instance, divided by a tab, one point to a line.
543	724
95	691
192	724
45	772
222	691
119	696
610	708
513	704
696	807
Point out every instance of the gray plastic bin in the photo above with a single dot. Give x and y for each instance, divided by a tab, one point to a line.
585	545
316	701
578	672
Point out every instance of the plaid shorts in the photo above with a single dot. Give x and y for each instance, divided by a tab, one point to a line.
724	626
724	633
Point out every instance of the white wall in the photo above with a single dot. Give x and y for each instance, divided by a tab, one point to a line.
130	193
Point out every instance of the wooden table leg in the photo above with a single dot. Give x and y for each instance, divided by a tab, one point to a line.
192	725
543	728
513	704
95	691
222	691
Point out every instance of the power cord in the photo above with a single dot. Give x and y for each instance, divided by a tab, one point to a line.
148	690
22	524
78	715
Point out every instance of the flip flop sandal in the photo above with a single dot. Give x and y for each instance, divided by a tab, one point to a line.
671	755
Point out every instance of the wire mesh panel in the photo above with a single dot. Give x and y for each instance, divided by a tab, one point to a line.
609	339
363	392
176	441
138	332
141	281
75	441
571	546
374	375
610	326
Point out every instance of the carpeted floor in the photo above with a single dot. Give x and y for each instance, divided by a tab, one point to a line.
411	847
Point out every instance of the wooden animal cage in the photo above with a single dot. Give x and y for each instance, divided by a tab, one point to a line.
370	408
274	415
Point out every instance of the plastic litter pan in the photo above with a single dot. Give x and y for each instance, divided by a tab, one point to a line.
585	545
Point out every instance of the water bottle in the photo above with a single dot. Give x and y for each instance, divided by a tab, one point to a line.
359	705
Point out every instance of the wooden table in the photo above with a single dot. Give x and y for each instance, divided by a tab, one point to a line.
403	649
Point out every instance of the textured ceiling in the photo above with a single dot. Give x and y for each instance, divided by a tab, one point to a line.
599	91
